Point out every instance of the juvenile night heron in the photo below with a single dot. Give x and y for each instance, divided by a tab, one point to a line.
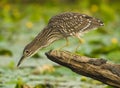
61	26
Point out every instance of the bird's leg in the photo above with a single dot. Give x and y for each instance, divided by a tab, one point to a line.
81	41
67	43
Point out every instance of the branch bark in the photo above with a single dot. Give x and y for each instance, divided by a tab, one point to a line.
96	68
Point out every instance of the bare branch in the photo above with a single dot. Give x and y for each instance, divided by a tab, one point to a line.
96	68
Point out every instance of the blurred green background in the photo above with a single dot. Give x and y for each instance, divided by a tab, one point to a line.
22	20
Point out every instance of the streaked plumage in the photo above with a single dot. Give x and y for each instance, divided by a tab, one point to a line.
61	26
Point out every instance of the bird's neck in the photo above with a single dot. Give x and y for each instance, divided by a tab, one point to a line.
46	37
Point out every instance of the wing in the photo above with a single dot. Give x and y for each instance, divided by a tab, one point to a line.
72	23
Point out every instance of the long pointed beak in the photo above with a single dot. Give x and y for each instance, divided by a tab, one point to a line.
20	61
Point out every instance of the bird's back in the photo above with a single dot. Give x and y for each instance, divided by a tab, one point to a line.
71	23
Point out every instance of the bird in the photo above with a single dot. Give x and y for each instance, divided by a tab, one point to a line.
61	26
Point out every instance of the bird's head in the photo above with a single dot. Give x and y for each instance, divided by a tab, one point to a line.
29	51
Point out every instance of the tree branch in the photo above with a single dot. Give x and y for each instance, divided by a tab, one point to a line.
98	69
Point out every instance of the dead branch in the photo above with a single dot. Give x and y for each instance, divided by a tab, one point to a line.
96	68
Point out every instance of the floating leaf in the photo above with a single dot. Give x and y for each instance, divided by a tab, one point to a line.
5	52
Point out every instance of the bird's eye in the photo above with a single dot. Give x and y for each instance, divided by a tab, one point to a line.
26	51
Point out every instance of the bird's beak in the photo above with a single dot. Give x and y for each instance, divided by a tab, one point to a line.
20	61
